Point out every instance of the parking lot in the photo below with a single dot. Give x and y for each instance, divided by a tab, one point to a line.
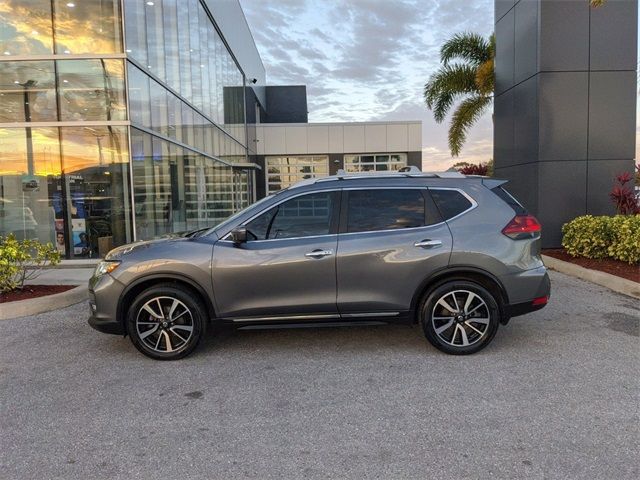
556	395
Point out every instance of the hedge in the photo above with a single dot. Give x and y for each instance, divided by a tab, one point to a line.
603	237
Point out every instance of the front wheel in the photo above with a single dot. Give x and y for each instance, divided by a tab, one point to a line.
165	322
459	317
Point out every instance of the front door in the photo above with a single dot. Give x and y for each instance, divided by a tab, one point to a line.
287	268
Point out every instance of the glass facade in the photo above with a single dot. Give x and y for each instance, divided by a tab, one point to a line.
377	162
283	172
135	128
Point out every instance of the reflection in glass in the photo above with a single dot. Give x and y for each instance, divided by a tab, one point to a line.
87	27
96	174
136	31
30	185
91	89
26	27
139	97
155	39
159	113
283	172
171	59
27	92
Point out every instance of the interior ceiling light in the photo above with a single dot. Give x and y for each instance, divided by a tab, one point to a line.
71	4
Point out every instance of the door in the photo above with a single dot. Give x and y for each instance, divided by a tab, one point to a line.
288	265
390	241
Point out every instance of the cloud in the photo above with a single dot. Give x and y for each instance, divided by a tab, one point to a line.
365	60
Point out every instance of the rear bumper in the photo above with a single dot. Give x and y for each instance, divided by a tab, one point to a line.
538	301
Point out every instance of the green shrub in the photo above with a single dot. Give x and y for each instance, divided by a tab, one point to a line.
22	260
603	237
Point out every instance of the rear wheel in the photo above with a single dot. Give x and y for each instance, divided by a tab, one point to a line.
459	317
166	322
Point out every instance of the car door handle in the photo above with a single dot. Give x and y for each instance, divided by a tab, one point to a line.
319	253
428	243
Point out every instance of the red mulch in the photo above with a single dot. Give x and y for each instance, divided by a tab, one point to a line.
607	265
33	291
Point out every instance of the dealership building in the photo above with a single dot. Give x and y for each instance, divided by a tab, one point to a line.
125	120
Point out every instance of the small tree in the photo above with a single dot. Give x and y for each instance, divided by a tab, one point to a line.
466	168
22	260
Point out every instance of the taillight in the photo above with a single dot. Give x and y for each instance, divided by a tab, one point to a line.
522	226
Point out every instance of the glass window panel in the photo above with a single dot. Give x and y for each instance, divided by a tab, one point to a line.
198	130
30	185
289	169
194	49
139	97
88	27
96	173
27	92
174	107
159	113
155	39
213	85
188	135
136	30
91	90
26	27
172	61
184	50
177	177
372	210
204	26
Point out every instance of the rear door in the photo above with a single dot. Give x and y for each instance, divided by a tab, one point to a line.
390	240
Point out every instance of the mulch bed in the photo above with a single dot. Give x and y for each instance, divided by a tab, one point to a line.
33	291
607	265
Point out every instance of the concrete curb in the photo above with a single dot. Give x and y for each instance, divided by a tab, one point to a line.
34	306
612	282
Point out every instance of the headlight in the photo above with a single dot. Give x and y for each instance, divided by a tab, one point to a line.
107	266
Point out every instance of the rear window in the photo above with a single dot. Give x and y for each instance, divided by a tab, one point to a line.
450	202
507	198
372	210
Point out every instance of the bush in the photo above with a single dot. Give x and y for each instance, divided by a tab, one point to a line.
615	237
22	260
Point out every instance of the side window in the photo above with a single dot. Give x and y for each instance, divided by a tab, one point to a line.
371	210
302	216
450	202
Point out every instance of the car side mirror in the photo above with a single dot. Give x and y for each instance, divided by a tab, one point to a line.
239	235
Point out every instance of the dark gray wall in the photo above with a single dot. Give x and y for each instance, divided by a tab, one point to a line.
565	104
286	104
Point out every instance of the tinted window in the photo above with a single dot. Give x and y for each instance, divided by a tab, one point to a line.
371	210
509	200
450	202
302	216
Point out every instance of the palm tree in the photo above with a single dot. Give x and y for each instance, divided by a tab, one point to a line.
466	73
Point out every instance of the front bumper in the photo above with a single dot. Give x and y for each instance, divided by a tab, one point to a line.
104	293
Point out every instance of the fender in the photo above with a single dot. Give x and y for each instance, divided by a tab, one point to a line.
457	269
164	277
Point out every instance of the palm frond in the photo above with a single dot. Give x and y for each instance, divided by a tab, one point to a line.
467	113
466	46
485	77
447	84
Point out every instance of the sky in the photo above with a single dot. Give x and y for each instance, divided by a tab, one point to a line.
368	60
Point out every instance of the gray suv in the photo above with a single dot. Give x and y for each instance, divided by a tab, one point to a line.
456	254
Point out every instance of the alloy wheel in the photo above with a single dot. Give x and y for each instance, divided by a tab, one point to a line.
460	318
164	324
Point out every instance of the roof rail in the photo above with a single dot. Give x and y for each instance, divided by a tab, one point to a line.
410	171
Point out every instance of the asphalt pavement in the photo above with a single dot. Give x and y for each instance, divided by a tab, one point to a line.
556	395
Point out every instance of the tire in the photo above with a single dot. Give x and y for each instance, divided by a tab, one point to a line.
468	324
166	322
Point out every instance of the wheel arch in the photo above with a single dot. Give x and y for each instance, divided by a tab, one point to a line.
147	281
484	278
